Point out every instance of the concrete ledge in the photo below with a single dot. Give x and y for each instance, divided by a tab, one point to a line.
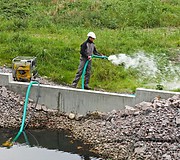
148	94
5	79
81	101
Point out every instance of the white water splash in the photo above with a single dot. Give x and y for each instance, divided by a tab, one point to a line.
171	85
146	65
173	80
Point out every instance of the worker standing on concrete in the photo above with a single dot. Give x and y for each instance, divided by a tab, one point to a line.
87	49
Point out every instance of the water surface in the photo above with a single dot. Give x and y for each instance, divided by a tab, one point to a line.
44	145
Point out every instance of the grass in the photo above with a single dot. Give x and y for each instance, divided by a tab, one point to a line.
53	31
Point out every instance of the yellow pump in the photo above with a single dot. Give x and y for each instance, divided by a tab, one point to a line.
24	68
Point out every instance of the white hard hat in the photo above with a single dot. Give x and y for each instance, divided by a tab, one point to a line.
91	34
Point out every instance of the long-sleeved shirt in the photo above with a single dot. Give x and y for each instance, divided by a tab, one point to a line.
88	48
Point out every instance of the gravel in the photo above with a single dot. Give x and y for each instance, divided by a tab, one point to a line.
144	131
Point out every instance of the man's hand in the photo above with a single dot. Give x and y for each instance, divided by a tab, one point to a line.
89	58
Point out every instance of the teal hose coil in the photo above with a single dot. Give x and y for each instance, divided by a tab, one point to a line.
85	67
25	110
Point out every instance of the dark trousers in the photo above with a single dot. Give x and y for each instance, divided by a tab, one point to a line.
80	70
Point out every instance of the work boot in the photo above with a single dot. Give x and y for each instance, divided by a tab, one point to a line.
73	85
87	87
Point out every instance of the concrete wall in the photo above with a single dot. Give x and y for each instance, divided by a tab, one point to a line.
148	94
81	101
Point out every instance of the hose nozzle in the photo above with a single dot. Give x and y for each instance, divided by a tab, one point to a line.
8	143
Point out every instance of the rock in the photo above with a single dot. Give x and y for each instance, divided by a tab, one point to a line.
144	105
177	120
157	105
136	113
130	108
78	117
38	107
166	157
176	97
31	100
71	116
96	115
151	131
156	99
4	92
113	112
165	122
113	121
139	150
21	102
44	108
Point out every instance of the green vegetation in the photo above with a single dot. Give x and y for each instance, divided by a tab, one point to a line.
52	30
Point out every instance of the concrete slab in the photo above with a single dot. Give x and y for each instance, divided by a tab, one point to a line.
81	101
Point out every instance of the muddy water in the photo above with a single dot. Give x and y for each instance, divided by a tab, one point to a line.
44	145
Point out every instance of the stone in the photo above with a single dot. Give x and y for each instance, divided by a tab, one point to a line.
44	108
139	150
71	116
78	117
148	131
177	120
130	108
4	92
38	107
166	157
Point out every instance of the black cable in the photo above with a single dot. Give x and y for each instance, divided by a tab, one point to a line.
33	137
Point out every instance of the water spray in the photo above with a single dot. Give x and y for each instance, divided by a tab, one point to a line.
165	74
146	65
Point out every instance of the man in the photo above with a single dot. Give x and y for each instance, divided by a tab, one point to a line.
87	49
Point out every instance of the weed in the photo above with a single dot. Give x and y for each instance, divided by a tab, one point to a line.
53	32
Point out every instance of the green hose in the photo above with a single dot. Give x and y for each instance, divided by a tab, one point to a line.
25	109
86	64
83	74
26	138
